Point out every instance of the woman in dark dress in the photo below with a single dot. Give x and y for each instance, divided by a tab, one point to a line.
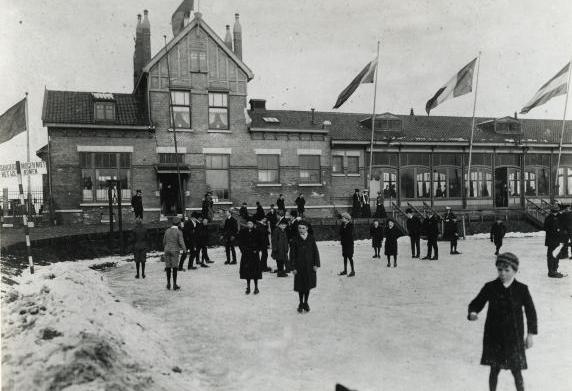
347	241
391	235
504	343
249	262
305	261
376	233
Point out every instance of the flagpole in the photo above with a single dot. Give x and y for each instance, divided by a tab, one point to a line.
468	187
29	194
373	121
563	124
181	197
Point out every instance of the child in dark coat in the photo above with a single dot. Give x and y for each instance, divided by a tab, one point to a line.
498	230
504	343
250	269
305	261
376	233
347	241
280	247
391	235
203	242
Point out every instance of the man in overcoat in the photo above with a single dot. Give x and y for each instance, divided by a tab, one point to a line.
552	241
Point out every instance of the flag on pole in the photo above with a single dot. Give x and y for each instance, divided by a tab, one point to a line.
558	85
365	76
460	84
13	121
178	18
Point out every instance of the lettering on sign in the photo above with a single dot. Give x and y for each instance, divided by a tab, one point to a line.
32	168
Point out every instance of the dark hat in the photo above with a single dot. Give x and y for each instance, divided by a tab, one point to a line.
409	210
356	189
509	259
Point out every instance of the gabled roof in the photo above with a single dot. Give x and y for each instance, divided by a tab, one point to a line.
198	21
421	129
77	108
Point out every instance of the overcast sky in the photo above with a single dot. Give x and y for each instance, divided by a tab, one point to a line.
302	53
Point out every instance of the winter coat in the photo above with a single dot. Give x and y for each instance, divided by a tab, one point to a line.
259	215
380	209
140	238
250	267
280	204
347	239
431	226
356	205
230	229
450	229
189	234
300	203
376	235
304	255
503	342
566	221
137	203
414	226
272	218
243	212
202	235
552	229
497	232
280	245
391	236
263	240
173	240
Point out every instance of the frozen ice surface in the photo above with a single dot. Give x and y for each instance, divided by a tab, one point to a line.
401	328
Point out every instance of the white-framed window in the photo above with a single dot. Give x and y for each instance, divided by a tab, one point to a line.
99	167
218	111
268	168
310	169
217	175
104	111
338	164
181	107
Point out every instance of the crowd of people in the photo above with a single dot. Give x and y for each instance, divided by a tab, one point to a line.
293	247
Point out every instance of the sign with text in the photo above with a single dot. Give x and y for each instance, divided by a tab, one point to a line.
32	168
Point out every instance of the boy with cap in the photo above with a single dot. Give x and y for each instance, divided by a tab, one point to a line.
504	343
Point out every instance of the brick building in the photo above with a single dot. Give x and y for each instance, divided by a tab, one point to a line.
235	147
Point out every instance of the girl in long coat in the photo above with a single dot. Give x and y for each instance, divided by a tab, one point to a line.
250	269
347	241
504	343
305	260
391	235
376	233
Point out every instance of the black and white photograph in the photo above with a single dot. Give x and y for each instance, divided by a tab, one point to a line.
285	195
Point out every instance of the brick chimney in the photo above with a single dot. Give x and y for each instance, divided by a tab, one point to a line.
142	53
228	38
237	32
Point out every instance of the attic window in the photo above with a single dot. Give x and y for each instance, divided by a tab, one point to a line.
271	120
104	111
388	124
507	127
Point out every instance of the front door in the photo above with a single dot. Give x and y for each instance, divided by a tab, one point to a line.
501	187
169	194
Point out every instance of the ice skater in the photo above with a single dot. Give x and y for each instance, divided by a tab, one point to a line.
498	230
347	241
376	233
305	261
249	262
391	235
173	243
140	240
504	343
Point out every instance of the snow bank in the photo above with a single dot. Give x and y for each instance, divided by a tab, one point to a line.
538	234
62	328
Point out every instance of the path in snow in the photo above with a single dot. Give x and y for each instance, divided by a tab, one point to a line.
401	328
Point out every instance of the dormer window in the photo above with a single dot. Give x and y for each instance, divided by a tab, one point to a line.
104	111
384	123
507	127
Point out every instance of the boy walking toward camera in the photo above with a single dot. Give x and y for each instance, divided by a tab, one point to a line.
504	343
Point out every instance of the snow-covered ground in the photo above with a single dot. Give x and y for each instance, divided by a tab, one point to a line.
401	328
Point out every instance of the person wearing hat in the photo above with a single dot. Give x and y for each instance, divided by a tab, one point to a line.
450	231
379	207
248	239
376	234
414	231
202	233
300	202
280	247
347	242
137	204
565	221
431	226
305	261
504	342
173	243
356	204
190	237
365	207
498	230
281	204
230	231
264	241
552	241
391	235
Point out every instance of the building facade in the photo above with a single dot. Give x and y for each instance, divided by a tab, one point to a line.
188	127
